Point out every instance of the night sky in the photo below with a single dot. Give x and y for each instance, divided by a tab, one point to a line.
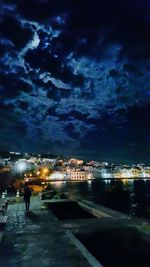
75	78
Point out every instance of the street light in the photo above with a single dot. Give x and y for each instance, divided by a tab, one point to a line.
45	171
21	166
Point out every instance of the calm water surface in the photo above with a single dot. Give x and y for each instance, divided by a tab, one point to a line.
129	196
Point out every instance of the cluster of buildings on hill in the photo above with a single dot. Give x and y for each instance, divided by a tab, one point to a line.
48	167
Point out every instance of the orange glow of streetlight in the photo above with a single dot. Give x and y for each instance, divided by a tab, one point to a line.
38	173
45	171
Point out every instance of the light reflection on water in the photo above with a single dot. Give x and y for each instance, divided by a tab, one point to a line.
129	196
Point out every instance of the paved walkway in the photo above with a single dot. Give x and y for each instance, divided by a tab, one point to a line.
37	239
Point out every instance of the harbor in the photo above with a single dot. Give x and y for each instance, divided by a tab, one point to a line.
72	233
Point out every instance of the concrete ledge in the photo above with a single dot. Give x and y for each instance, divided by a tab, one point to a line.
90	258
105	210
44	201
94	211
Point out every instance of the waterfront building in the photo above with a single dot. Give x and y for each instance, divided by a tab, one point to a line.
93	173
56	176
136	172
78	175
76	161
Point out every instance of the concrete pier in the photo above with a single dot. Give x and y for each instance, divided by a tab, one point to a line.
37	239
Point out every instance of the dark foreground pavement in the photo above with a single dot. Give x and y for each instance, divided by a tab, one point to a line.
37	239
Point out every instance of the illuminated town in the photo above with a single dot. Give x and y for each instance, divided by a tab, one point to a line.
49	167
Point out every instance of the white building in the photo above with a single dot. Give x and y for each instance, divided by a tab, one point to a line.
77	175
94	173
56	176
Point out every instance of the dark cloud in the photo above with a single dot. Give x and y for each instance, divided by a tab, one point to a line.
44	60
12	85
70	130
75	76
9	83
63	117
41	10
139	123
51	111
57	94
12	29
78	115
6	107
23	105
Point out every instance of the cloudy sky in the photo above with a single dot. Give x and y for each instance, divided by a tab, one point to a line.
75	78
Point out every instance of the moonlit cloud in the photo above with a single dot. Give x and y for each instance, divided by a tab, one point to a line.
75	77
